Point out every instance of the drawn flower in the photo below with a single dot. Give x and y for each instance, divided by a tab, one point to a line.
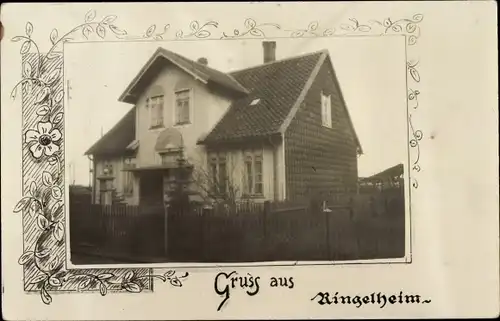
44	139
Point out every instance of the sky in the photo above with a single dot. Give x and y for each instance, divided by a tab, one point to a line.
371	73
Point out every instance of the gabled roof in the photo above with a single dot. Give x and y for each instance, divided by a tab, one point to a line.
277	90
117	139
163	57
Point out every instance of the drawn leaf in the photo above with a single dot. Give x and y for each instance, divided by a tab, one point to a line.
117	31
42	223
38	278
150	30
56	192
84	284
297	33
59	96
169	273
203	34
411	27
194	25
101	32
86	31
387	22
250	23
59	231
414	74
212	23
42	95
412	40
34	209
22	204
16	39
105	276
33	188
52	160
25	47
55	281
328	32
102	289
47	179
29	29
43	110
46	298
108	19
53	36
132	287
175	282
42	253
364	28
55	208
396	28
25	257
418	17
27	87
128	276
53	55
56	120
313	26
90	16
54	263
27	69
256	32
179	34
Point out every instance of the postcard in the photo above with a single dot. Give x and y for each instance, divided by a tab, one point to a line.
249	160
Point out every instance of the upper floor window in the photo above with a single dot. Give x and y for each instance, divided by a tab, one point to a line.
253	184
183	103
326	110
155	105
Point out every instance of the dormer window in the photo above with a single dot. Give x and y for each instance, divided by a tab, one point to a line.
183	106
255	102
155	105
326	110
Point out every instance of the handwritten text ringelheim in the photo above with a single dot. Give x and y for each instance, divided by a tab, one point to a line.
380	299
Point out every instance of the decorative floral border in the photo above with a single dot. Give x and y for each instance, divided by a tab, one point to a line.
43	170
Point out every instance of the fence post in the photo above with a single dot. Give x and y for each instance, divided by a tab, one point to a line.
265	215
165	230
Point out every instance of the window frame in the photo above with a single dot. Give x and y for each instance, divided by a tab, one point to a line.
159	121
128	176
253	179
215	159
190	109
326	110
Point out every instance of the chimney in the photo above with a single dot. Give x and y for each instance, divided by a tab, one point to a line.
203	61
269	51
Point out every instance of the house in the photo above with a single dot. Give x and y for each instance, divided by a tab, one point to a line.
390	178
279	130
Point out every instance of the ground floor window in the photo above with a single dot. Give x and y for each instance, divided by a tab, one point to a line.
253	183
218	175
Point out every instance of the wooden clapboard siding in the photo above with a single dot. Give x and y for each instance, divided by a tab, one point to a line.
320	159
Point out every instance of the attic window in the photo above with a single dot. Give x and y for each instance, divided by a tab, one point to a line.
255	102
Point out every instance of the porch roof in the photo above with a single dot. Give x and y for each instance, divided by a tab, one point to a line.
161	167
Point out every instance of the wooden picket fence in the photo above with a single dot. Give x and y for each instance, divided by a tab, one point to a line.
368	226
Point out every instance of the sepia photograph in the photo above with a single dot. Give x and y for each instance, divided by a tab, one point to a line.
242	151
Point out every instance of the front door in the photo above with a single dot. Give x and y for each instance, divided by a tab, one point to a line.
151	190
